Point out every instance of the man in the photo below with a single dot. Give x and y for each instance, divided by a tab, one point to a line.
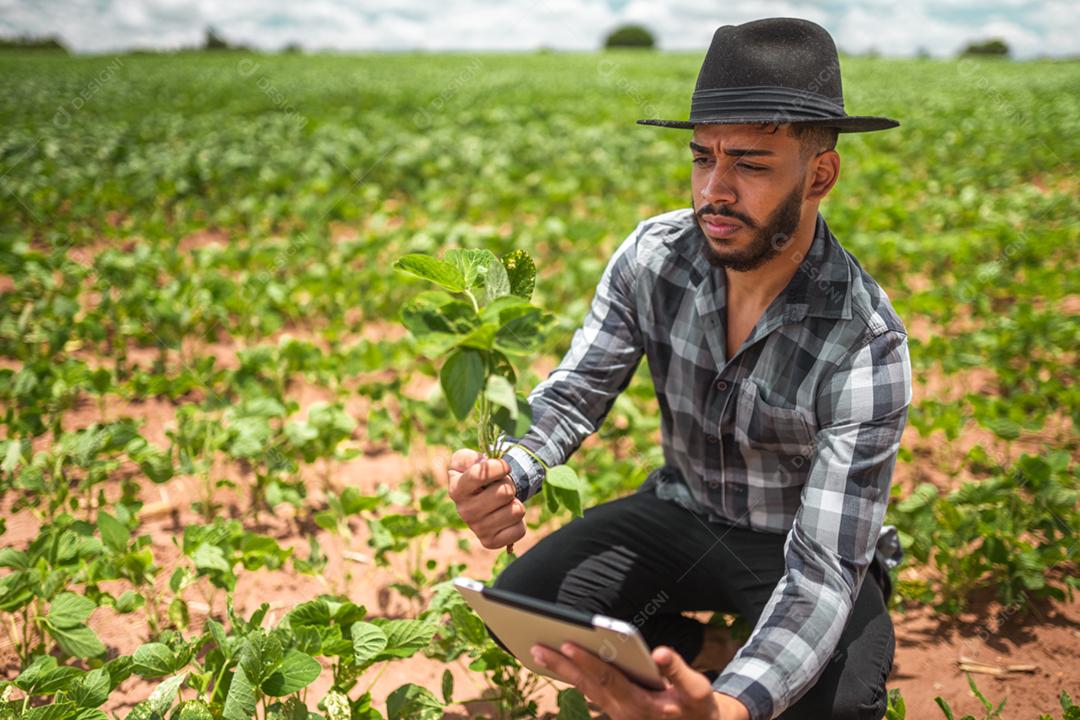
783	381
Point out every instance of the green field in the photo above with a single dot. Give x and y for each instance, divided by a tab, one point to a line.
197	299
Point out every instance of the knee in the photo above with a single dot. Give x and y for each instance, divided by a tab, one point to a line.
865	700
865	706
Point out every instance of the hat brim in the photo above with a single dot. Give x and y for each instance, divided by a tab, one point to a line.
848	123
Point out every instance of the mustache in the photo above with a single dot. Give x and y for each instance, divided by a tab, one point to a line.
725	211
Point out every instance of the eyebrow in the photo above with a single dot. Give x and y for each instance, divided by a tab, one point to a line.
734	152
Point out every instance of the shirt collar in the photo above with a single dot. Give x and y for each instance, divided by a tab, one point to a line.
821	287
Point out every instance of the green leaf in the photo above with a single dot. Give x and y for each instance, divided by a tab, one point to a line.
523	334
92	689
368	641
566	487
69	609
500	393
440	272
313	612
35	673
447	686
551	500
260	656
462	379
154	660
14	559
505	309
196	710
413	702
119	669
1003	428
211	557
297	671
79	641
90	714
56	711
497	283
129	601
573	705
944	708
240	702
925	494
114	533
61	678
521	272
405	637
562	476
436	313
142	711
481	337
472	263
162	698
897	709
514	427
12	456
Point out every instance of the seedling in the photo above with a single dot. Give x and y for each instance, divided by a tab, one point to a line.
477	322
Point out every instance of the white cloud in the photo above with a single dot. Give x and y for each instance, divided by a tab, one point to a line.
939	26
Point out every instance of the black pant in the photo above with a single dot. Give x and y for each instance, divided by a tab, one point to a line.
647	560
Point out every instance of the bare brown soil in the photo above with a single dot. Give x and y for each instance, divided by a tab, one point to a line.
928	648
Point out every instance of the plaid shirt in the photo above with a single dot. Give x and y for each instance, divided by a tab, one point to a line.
797	433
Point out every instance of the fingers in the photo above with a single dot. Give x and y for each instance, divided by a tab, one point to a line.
510	513
474	508
685	681
601	672
476	476
463	459
561	665
506	536
670	663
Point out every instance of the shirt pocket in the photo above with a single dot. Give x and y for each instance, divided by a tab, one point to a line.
778	437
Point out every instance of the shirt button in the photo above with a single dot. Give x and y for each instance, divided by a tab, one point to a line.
721	385
712	439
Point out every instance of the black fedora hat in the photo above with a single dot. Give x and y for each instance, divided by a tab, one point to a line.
777	70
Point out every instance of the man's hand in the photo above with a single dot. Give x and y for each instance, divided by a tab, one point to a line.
689	694
485	499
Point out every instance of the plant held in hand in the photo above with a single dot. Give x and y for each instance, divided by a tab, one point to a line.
480	319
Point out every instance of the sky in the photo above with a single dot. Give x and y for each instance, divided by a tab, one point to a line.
889	27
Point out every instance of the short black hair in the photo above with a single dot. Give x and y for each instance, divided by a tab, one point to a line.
813	139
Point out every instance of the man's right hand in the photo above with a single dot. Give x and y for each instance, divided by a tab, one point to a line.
485	499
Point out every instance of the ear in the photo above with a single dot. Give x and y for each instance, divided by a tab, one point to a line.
823	172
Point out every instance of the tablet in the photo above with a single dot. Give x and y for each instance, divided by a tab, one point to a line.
521	622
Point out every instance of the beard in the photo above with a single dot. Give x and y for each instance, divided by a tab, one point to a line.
768	240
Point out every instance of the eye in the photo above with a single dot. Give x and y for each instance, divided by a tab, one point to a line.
751	168
701	160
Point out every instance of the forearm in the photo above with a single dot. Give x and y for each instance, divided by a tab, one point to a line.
729	708
575	398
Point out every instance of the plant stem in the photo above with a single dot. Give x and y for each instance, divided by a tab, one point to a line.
475	305
377	676
13	635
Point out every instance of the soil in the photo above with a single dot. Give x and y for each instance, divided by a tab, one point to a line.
928	648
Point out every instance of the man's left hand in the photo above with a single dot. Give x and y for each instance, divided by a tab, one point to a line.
689	694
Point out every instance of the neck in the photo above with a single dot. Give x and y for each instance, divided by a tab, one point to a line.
762	284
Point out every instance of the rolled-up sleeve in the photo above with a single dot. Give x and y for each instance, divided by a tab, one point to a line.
862	409
577	395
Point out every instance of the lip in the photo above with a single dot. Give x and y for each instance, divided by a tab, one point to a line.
721	228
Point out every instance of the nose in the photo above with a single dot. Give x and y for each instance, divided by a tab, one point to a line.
717	189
